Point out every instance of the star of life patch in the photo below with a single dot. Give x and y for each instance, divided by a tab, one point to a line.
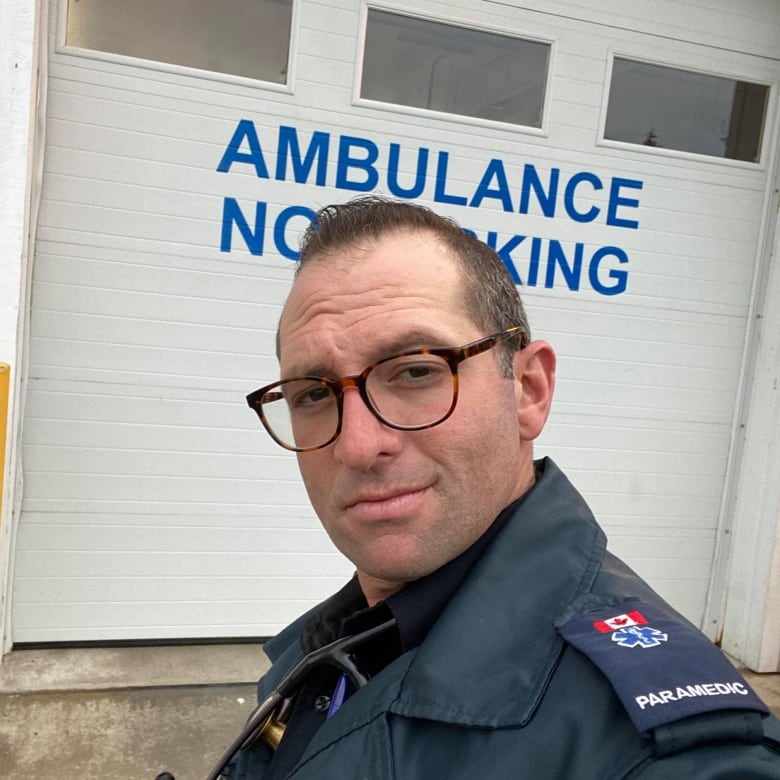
661	668
636	636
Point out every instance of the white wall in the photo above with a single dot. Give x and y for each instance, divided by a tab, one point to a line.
18	92
676	555
769	656
751	598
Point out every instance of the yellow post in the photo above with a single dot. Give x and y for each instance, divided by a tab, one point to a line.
5	376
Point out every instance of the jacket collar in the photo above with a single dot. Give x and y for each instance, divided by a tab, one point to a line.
487	660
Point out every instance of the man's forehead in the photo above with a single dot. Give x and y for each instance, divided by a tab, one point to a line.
403	264
371	237
399	338
395	271
341	352
408	244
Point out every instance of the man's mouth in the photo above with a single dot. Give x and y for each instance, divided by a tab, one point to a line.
387	504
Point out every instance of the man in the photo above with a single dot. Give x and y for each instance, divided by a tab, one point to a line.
512	644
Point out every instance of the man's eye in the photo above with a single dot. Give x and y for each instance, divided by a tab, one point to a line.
417	373
311	397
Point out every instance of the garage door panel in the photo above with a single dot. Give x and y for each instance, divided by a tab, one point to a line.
145	332
162	275
133	306
157	463
154	504
208	586
143	404
692	445
75	537
187	564
78	359
171	489
112	222
170	619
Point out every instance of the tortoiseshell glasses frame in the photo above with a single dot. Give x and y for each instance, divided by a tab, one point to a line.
412	391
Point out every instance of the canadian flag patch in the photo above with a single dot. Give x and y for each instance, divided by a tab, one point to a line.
620	621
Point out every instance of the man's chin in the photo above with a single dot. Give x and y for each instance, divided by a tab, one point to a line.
393	575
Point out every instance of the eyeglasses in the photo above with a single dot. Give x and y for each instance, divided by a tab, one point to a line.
409	392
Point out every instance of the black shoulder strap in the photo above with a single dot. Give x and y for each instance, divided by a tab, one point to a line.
718	727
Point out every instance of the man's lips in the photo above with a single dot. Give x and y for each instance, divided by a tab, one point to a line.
386	505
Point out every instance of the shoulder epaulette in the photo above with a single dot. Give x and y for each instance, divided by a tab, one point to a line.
662	668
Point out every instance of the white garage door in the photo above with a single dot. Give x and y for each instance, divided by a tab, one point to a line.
154	507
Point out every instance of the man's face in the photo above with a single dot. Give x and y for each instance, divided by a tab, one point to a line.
400	504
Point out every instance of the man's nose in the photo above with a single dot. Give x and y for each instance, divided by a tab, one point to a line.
364	437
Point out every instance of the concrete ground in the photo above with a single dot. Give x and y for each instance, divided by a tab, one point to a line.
123	714
130	713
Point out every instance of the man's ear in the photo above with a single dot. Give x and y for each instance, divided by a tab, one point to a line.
534	384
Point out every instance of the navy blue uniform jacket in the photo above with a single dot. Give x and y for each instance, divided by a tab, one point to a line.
494	691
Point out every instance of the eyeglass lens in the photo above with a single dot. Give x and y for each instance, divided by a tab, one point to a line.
409	391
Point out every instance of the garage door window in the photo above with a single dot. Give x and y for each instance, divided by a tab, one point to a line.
442	67
248	38
670	108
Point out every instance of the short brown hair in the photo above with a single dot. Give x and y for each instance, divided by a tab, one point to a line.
489	293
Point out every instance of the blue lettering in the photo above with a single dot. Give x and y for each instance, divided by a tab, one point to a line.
440	196
557	258
290	148
280	228
533	267
616	200
495	170
568	199
232	215
366	164
505	252
392	173
245	131
612	282
545	199
620	277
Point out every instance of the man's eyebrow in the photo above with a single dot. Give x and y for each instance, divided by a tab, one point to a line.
410	340
416	339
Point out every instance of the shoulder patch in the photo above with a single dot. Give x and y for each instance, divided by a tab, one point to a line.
662	668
